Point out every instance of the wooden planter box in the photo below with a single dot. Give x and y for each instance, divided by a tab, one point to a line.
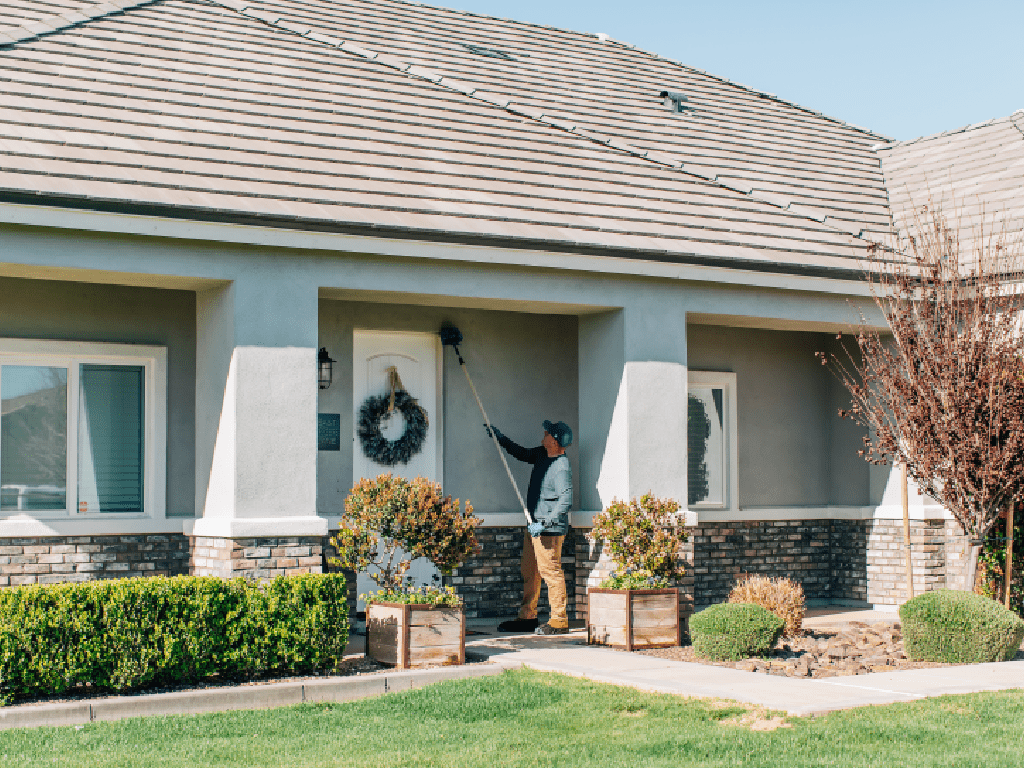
415	635
634	618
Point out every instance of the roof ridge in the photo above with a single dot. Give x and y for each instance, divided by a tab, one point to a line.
1013	119
953	131
69	18
248	9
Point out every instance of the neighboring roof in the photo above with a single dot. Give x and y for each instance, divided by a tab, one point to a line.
251	113
975	175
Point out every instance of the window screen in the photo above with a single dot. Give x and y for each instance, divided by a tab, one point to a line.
111	438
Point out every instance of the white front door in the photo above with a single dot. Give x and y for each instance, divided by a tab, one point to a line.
417	356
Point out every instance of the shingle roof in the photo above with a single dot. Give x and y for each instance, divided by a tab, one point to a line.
257	112
975	174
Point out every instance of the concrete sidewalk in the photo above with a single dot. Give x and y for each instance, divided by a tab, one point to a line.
570	655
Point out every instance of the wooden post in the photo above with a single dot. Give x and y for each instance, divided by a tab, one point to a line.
906	531
1009	554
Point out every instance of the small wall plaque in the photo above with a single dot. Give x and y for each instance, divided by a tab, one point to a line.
328	431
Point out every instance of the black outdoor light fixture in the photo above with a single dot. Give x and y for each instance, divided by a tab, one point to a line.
325	368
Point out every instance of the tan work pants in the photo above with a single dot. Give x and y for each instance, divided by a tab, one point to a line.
542	559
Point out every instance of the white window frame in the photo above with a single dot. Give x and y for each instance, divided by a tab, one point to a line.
70	355
730	449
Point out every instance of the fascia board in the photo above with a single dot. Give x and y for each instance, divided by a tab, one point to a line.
247	234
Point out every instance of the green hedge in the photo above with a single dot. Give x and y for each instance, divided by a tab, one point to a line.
734	631
126	634
959	628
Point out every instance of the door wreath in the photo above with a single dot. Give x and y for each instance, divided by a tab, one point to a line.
378	408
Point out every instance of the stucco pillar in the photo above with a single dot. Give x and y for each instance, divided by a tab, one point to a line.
632	386
256	390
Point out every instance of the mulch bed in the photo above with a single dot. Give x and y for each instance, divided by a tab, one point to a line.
355	665
857	649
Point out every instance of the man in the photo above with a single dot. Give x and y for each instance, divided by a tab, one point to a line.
548	500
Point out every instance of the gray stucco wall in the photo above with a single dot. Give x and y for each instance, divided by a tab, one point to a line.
524	367
67	311
794	450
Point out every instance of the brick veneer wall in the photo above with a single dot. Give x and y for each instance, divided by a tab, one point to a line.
858	561
490	583
850	560
52	559
256	558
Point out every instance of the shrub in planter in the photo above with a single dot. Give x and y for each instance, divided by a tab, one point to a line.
389	522
126	634
638	605
734	631
645	540
959	628
783	597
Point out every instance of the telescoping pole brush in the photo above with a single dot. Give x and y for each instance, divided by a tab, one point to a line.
452	337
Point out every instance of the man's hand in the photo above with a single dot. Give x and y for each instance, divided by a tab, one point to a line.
535	529
493	431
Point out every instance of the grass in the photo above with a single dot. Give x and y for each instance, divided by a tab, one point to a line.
526	718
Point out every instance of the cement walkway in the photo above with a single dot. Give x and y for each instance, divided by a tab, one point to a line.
570	655
567	654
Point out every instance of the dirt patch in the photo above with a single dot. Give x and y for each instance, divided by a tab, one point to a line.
757	720
857	649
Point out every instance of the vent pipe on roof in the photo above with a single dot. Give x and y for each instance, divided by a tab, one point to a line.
602	36
674	101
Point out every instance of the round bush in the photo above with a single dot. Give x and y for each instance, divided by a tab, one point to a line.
734	631
959	628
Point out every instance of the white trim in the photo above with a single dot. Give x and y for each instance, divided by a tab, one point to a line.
263	527
880	512
155	226
70	354
112	525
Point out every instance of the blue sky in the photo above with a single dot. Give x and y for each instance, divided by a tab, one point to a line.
904	68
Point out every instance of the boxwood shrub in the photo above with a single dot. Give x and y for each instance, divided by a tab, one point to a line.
125	634
734	631
959	628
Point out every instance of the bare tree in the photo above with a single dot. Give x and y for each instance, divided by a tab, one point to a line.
944	395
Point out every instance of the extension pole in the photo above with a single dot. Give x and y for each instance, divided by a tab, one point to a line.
497	445
906	531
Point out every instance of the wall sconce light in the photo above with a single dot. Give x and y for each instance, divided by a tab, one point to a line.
325	368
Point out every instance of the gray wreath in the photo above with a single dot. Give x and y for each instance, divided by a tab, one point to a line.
391	452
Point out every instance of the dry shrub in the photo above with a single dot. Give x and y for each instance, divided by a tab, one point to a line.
783	597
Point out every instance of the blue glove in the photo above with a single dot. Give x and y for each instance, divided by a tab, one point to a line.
535	528
493	429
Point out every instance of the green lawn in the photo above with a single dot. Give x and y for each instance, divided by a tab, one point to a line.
526	718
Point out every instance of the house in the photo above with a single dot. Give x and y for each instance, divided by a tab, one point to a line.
222	223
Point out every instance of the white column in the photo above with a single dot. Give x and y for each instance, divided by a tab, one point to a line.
633	388
256	390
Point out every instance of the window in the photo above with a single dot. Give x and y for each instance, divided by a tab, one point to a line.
711	440
81	429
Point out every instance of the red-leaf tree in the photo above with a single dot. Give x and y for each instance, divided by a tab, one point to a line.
942	392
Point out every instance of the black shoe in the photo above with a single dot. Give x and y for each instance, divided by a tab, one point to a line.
518	625
547	629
